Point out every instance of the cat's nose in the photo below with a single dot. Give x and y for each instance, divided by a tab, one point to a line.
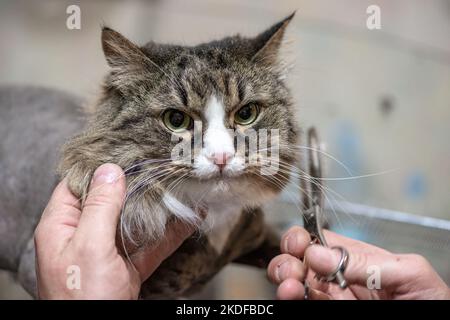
221	159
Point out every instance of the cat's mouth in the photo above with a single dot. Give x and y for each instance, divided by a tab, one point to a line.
222	174
221	177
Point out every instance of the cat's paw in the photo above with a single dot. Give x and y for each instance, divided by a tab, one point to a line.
79	177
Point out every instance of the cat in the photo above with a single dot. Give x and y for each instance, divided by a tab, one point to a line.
154	97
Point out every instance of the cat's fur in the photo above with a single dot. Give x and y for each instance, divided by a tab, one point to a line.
126	129
34	124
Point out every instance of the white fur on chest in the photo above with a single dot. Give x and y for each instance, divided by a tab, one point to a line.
224	201
221	218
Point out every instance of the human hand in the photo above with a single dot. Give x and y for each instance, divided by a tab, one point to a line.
69	235
402	276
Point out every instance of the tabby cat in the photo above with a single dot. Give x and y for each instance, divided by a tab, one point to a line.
157	95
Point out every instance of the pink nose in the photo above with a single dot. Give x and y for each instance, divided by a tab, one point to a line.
221	158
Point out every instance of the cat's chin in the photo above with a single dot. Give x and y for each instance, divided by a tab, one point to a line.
241	191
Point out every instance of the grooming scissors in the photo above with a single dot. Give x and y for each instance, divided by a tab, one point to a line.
313	215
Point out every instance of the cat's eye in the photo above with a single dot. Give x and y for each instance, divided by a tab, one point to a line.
176	120
247	114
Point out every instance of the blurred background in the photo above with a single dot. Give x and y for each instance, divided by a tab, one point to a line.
380	100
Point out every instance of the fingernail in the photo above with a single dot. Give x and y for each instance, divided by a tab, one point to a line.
282	271
105	174
291	243
286	244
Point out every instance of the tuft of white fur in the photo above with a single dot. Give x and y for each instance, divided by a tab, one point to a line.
180	210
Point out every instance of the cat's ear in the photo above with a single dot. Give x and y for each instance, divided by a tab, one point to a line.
129	63
121	52
267	44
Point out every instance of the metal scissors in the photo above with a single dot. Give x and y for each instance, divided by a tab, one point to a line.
313	215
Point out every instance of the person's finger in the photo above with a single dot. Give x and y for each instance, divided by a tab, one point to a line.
147	260
58	221
361	265
101	210
284	267
291	289
295	241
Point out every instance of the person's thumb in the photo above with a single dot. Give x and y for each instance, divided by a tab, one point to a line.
361	269
103	204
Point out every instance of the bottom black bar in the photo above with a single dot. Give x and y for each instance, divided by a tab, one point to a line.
230	309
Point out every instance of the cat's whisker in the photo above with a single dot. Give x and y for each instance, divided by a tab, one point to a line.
324	189
147	173
326	154
102	185
147	179
130	170
280	185
309	197
171	186
144	172
297	169
167	175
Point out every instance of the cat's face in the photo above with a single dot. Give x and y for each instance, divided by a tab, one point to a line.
218	92
226	98
215	100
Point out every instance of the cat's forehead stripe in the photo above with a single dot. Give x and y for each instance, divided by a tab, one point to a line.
183	94
217	139
241	89
195	91
214	112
